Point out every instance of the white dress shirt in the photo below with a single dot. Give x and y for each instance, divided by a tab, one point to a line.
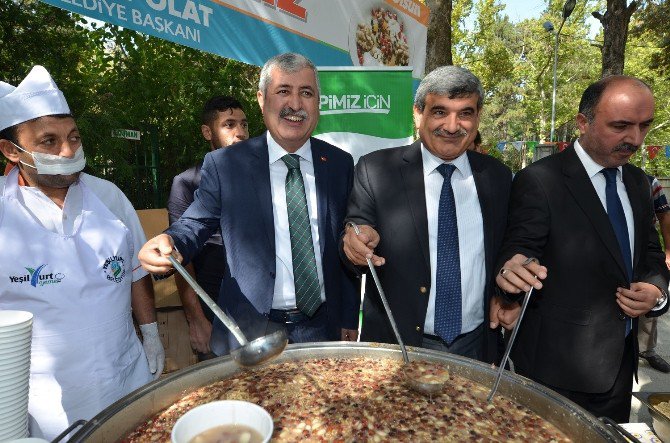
284	292
598	179
593	171
470	238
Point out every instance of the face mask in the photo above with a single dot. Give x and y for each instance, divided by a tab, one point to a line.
49	164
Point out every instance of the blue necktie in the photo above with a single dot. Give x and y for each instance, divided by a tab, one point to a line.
618	220
448	270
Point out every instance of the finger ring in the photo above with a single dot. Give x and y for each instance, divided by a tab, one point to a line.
503	271
530	260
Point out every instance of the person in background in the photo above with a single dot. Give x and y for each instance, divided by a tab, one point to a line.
76	237
581	233
477	144
647	333
432	217
279	200
223	123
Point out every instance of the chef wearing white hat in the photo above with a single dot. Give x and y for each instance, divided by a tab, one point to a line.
69	252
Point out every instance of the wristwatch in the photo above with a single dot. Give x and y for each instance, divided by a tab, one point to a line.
660	301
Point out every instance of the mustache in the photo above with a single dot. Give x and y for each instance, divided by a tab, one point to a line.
288	111
443	133
626	147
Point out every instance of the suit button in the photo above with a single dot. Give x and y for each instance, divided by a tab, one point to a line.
622	317
272	275
418	329
423	289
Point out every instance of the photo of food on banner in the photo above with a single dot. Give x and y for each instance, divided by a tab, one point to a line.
379	39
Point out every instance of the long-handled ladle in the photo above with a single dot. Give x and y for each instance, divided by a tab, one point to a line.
424	387
250	353
510	343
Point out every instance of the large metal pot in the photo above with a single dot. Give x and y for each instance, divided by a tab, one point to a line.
125	415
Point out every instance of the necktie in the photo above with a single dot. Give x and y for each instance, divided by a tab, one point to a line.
618	220
305	277
448	270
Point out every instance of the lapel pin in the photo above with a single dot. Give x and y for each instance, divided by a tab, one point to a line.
323	159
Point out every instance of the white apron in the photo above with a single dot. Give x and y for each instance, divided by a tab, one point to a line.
85	352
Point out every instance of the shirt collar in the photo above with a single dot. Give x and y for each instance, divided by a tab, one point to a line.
276	152
592	168
431	162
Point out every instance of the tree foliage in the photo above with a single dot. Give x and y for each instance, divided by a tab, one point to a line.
116	78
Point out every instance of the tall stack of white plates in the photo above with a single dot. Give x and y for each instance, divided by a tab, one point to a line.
15	336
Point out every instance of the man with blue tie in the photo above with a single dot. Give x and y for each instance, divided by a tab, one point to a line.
279	200
586	214
432	217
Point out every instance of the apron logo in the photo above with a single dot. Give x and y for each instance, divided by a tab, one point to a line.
36	278
114	269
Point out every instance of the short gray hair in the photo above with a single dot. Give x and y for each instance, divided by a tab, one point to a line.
288	62
452	81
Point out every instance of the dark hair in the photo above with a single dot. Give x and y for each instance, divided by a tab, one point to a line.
219	103
594	92
12	133
451	81
478	139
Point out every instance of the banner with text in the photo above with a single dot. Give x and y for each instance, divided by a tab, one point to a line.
330	33
365	109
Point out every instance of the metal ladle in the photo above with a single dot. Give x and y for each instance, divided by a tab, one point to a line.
510	343
250	353
427	388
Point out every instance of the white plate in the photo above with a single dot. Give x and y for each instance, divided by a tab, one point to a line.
15	401
19	339
17	392
13	417
15	368
11	371
10	434
9	319
14	376
367	16
16	357
16	330
9	349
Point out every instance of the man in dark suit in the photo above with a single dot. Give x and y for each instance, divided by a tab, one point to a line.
279	200
586	214
223	123
433	214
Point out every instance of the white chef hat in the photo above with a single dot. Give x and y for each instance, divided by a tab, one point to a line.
36	96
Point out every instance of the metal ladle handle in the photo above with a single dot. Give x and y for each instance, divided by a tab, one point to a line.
526	298
405	357
227	321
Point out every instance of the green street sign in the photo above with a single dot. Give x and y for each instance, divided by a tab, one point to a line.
130	134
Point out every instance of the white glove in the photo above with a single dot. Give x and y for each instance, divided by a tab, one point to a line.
153	348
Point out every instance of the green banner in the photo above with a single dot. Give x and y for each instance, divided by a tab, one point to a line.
365	109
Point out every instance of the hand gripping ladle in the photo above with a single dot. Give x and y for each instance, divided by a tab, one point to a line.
510	343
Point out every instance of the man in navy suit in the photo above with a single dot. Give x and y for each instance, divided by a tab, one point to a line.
280	201
223	124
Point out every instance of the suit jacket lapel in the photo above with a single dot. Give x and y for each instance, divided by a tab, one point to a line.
320	162
259	175
412	176
580	186
487	204
637	200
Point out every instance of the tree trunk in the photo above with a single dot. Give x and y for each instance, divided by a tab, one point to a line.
615	26
438	51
